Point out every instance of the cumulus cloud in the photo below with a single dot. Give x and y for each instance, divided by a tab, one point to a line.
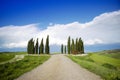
103	29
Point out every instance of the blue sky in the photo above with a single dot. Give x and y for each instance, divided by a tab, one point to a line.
22	12
96	21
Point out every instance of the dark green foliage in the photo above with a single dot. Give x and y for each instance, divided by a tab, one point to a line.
30	46
77	46
68	45
72	46
81	46
36	47
47	46
41	49
109	66
62	48
65	49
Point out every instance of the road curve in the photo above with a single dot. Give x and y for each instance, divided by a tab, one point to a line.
59	67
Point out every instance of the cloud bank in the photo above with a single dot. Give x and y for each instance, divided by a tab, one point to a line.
103	29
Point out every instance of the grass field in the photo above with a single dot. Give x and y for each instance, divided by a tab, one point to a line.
107	66
5	56
10	71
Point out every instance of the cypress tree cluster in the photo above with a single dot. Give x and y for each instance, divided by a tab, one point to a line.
75	46
33	48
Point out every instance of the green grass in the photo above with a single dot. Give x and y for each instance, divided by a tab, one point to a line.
107	67
5	56
105	59
113	55
13	70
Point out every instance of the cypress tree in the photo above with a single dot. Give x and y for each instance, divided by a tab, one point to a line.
28	47
65	49
82	46
62	48
76	46
72	46
36	46
31	46
79	45
47	45
41	47
68	45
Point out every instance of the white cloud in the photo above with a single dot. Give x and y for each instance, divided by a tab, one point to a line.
104	28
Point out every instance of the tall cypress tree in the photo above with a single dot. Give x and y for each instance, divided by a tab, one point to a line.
65	49
82	46
28	46
36	46
79	45
31	46
72	46
47	51
76	45
62	48
68	45
41	47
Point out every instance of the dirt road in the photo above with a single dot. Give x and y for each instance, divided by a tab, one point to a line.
59	67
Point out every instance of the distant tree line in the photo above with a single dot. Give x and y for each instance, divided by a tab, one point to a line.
73	46
35	48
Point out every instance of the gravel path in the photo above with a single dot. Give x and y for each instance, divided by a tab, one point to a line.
59	67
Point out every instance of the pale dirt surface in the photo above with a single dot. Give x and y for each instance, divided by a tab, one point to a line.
59	67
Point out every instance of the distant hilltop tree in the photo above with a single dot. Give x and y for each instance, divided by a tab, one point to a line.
33	48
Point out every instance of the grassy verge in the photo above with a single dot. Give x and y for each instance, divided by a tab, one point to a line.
100	65
11	71
5	56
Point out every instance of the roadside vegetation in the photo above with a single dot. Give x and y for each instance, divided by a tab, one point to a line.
5	56
107	65
10	71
